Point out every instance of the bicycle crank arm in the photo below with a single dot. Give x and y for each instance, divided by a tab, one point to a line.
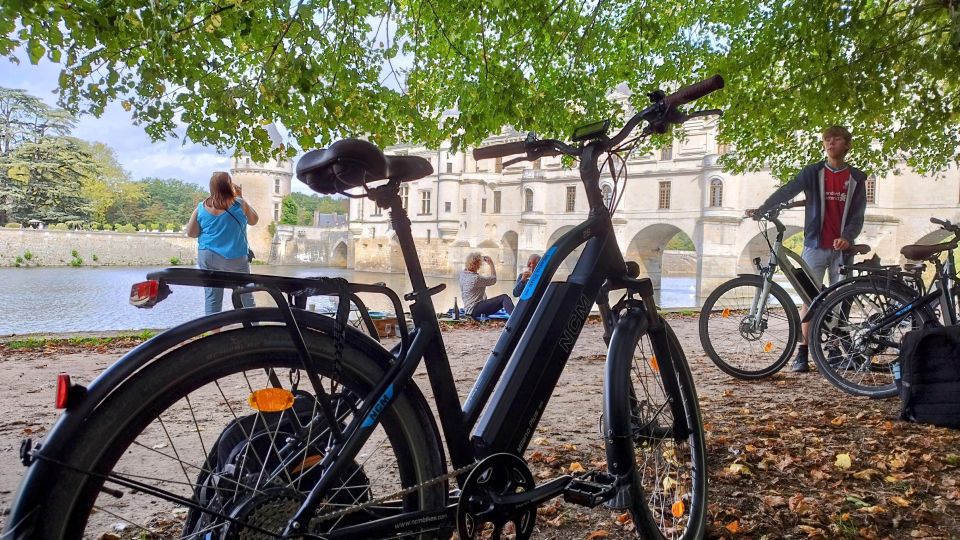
536	496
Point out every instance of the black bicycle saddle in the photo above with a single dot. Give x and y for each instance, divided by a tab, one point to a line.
919	252
350	163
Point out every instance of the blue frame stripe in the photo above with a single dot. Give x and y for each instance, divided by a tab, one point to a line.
538	273
378	408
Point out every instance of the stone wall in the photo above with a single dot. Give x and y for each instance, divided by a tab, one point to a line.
437	257
96	248
311	245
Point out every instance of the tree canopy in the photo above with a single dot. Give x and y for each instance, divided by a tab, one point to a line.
393	70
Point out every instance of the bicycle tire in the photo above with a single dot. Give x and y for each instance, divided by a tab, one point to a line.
118	434
758	353
665	486
843	354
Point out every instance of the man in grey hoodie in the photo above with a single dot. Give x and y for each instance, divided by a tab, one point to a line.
836	201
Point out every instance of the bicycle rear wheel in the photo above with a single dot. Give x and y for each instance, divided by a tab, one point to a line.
666	489
749	346
852	356
183	426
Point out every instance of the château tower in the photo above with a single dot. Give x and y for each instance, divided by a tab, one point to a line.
264	187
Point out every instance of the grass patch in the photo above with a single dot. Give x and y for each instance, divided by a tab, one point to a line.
79	341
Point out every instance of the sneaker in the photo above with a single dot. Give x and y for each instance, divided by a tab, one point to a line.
800	363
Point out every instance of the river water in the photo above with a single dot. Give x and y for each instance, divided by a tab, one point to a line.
63	299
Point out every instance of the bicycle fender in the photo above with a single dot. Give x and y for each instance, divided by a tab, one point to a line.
822	297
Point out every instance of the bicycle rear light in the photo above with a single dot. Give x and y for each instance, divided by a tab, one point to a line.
68	394
147	294
270	399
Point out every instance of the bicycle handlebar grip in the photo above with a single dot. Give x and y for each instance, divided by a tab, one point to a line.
500	150
940	222
694	91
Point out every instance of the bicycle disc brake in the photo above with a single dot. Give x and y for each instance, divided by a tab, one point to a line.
494	477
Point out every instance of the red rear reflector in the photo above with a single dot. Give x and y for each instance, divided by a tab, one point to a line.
63	390
145	293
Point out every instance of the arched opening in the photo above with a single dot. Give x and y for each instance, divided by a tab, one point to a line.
757	247
716	193
339	256
606	192
508	252
528	200
566	266
667	256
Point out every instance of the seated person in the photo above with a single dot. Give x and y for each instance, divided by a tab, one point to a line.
473	288
525	275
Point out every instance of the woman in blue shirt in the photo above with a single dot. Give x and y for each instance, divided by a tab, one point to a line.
220	225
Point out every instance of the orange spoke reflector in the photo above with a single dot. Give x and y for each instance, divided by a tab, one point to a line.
307	463
270	399
768	346
654	364
677	509
726	312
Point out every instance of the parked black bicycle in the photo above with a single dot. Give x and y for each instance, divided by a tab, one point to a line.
856	332
750	325
289	424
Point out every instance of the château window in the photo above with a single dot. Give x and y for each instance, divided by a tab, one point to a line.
447	206
666	153
449	167
377	211
536	164
405	196
483	206
464	206
528	200
498	166
276	185
496	202
871	189
716	193
723	149
664	198
424	202
571	198
276	211
607	193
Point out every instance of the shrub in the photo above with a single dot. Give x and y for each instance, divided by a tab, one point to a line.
94	257
173	227
94	226
126	228
27	255
59	226
18	260
76	261
12	225
155	227
175	261
141	226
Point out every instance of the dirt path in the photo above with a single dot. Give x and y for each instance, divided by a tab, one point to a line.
772	445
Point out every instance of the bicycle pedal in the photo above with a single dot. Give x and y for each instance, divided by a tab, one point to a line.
591	490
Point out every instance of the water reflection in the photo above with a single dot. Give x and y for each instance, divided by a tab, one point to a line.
89	299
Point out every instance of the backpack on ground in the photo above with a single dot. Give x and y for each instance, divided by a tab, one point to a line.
930	376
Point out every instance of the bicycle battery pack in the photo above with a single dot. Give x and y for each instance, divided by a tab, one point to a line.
508	423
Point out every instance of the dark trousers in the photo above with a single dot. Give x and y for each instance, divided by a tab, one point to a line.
493	305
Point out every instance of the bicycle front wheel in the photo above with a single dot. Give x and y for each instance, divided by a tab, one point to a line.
744	336
192	426
850	353
666	490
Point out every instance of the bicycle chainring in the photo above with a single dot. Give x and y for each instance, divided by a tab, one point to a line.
495	476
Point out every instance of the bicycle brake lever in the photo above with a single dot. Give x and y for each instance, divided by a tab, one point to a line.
510	162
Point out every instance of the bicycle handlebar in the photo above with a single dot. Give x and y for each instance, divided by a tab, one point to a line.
694	91
663	111
945	224
500	150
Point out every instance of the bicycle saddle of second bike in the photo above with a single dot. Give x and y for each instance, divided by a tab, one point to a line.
351	163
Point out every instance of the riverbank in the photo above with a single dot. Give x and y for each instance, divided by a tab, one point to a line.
772	445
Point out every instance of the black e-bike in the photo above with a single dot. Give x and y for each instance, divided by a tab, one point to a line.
282	423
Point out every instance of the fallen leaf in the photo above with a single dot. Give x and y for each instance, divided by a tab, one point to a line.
840	420
541	441
739	469
843	461
774	501
900	501
865	474
600	533
624	517
576	467
733	526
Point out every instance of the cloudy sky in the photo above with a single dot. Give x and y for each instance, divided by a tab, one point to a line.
136	152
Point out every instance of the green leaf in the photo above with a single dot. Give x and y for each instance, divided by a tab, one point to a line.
35	50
